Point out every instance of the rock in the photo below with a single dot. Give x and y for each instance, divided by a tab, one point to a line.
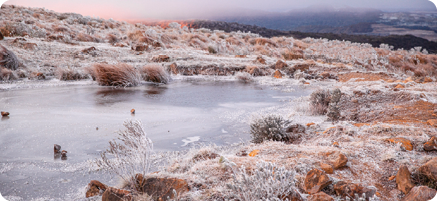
296	128
349	190
277	74
325	74
280	65
427	79
320	196
392	177
431	144
139	47
95	188
37	75
240	56
254	153
336	144
160	58
420	193
399	86
1	36
403	180
340	161
64	155
205	156
429	169
432	122
89	50
161	188
4	114
327	168
132	111
260	59
315	181
57	148
406	144
113	194
310	124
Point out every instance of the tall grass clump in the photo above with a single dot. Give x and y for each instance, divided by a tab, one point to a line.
271	127
267	182
244	77
8	59
319	102
155	73
6	74
120	74
69	74
131	156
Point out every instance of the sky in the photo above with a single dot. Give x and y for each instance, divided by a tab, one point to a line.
198	9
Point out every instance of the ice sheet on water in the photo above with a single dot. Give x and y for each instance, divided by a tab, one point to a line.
189	140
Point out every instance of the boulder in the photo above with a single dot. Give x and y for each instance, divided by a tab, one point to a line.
280	65
161	188
420	193
345	189
320	196
315	181
113	194
277	74
95	188
406	144
403	180
432	122
429	169
431	144
327	168
340	161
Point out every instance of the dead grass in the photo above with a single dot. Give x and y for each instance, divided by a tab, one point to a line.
121	74
135	35
85	38
155	73
262	41
66	74
112	38
292	54
6	74
360	77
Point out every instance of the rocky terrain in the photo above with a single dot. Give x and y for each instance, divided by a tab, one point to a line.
367	132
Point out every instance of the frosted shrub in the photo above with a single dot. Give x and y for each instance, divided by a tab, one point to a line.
120	74
130	157
319	102
8	59
155	73
271	127
268	182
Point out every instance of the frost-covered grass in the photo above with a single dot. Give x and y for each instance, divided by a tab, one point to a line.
155	73
120	74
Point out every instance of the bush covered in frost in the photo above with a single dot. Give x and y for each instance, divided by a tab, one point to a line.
155	73
120	74
271	127
130	157
268	182
319	102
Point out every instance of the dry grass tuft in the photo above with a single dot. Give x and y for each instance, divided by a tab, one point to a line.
69	74
244	77
85	38
120	74
135	36
6	74
155	73
8	59
112	38
262	41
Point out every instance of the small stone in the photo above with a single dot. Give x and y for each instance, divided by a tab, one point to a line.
406	144
260	59
4	114
349	190
320	196
392	177
335	144
399	86
57	148
431	122
64	155
420	193
403	180
310	124
277	74
132	111
315	181
431	144
327	168
340	162
254	153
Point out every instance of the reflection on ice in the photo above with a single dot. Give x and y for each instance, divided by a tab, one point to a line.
190	140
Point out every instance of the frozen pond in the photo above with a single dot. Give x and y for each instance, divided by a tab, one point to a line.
82	119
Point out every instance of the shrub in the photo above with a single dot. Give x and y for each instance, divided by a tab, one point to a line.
271	127
69	74
155	73
85	38
130	157
8	59
268	182
116	75
6	74
112	38
319	102
244	77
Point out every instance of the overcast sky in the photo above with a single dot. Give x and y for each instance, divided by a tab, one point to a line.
188	9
